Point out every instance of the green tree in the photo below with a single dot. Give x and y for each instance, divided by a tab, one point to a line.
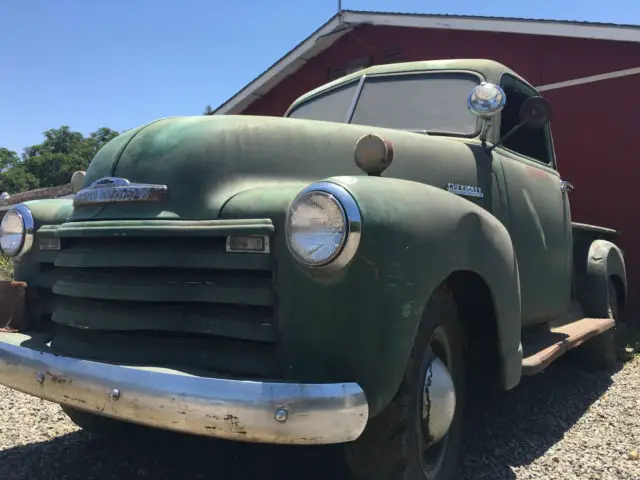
95	141
8	158
51	162
13	177
208	110
17	179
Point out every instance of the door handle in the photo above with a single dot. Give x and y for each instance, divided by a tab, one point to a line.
566	186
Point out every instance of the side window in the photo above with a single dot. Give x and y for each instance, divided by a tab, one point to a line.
535	144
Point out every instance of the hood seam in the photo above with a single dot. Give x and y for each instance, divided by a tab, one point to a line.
119	155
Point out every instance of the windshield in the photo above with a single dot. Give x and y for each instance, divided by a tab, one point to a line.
430	102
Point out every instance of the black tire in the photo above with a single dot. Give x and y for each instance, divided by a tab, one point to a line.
390	448
97	424
603	351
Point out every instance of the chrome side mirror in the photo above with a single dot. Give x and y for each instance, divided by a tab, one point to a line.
485	102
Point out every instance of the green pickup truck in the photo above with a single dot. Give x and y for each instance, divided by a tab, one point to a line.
334	276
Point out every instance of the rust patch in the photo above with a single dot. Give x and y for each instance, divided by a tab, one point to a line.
558	340
74	399
235	424
59	379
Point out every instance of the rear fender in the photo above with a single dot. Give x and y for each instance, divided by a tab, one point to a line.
605	260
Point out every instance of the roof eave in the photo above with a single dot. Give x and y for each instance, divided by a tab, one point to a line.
291	62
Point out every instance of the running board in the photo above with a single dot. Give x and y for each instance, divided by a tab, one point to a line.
543	347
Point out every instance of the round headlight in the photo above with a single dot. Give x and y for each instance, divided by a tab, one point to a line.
16	231
323	226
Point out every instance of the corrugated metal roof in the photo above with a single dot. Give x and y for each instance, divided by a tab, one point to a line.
510	19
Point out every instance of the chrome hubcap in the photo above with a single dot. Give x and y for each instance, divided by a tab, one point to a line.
438	401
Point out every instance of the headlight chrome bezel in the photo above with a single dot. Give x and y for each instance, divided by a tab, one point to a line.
28	229
353	226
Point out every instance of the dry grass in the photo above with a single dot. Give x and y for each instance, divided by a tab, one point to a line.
6	268
634	340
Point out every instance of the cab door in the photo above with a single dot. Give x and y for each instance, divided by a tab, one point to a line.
539	217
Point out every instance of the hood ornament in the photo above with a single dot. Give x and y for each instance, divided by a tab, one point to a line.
119	190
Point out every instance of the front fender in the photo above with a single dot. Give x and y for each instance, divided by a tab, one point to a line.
53	211
604	261
414	237
359	324
50	211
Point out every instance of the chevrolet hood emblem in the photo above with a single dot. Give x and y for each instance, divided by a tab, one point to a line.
119	190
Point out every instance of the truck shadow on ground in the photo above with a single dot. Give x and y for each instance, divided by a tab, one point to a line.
503	430
515	428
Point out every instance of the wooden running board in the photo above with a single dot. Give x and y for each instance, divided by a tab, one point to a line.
540	349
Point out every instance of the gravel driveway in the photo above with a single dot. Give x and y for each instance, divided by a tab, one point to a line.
565	423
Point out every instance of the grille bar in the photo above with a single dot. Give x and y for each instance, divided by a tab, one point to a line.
249	323
204	253
166	285
232	357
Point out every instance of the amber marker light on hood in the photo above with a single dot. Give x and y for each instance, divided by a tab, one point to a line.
373	154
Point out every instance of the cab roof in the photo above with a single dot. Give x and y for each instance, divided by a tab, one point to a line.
489	69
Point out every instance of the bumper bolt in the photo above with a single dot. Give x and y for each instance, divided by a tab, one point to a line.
40	378
115	394
281	415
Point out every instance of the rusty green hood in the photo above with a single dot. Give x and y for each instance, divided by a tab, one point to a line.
207	160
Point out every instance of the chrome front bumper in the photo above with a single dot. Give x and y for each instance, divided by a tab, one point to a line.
251	411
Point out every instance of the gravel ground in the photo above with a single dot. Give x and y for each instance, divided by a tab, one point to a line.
566	423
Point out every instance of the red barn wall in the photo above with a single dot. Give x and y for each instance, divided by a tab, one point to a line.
595	131
594	124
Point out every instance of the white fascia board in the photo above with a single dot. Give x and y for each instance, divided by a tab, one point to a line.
522	27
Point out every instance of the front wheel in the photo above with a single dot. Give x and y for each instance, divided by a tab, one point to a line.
419	434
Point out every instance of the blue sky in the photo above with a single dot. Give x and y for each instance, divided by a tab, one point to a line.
121	63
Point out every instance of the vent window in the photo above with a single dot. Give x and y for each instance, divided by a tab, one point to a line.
349	67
